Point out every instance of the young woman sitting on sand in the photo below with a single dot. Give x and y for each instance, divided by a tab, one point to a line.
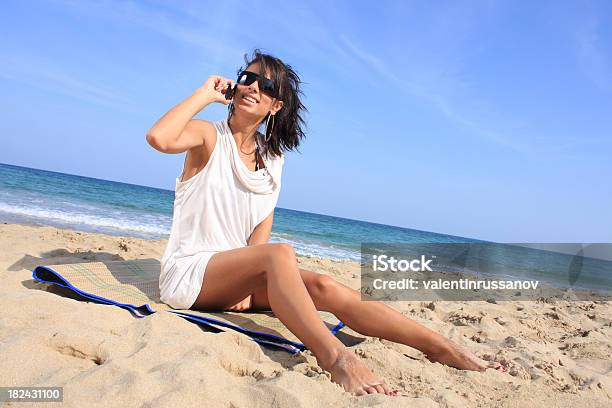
218	256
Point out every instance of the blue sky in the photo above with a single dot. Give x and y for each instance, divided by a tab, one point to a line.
486	119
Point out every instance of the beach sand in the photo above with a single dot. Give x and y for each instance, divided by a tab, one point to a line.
558	354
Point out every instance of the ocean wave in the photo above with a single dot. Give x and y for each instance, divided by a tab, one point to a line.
316	250
156	228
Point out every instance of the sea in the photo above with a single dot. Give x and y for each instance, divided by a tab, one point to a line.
42	197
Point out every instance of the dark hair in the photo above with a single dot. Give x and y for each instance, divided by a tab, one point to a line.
288	121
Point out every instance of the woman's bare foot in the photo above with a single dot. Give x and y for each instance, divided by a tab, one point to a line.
456	356
355	377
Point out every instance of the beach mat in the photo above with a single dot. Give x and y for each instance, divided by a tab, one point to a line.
134	286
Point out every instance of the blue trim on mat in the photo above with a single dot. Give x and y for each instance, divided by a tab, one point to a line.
205	321
337	328
272	337
259	337
133	309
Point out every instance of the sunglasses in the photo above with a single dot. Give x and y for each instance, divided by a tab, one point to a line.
266	85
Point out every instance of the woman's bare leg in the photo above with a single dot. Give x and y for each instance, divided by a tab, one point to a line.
232	275
376	319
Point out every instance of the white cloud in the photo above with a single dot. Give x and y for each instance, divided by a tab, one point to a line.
208	33
437	99
592	57
43	74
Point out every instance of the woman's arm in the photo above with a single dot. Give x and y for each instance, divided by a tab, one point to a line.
261	233
175	132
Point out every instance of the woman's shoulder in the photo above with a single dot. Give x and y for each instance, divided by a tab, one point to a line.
203	127
220	125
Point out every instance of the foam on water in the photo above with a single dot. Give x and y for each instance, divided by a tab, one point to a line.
155	228
317	250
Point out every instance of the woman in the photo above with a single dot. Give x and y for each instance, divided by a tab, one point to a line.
218	256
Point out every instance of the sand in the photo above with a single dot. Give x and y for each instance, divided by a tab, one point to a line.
558	354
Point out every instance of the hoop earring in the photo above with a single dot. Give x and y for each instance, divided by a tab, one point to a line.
269	132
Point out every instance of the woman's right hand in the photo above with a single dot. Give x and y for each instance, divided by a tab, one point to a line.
214	89
243	305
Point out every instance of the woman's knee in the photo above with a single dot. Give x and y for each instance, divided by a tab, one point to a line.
280	258
328	292
281	252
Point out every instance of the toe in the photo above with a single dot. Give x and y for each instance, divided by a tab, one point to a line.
370	390
380	389
497	366
392	393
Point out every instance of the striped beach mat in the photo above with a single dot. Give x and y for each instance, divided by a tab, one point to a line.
133	285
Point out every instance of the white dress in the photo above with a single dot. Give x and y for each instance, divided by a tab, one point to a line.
215	210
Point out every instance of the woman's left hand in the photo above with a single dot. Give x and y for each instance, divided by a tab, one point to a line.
242	305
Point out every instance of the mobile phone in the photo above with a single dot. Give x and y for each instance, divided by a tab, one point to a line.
229	92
